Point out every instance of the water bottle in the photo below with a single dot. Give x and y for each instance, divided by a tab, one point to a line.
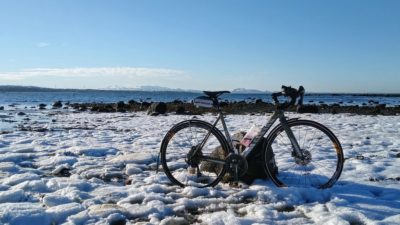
250	135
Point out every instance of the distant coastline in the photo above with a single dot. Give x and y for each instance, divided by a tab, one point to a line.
18	88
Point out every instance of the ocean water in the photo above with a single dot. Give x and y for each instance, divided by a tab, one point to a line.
35	98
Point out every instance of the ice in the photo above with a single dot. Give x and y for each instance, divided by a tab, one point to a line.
24	213
137	158
19	178
106	173
60	213
55	200
12	196
106	210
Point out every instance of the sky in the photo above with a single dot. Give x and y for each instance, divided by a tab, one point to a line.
326	46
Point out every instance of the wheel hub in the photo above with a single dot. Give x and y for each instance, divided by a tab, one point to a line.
305	160
193	158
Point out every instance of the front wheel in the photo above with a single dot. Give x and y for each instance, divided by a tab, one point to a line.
193	153
321	163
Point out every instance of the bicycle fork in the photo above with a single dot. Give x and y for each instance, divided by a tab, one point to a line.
297	151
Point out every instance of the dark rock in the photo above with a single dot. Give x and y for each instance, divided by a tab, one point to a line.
180	110
57	104
120	105
157	108
398	155
83	108
307	109
42	106
21	114
1	107
258	101
223	104
132	102
381	106
255	168
121	110
177	101
145	105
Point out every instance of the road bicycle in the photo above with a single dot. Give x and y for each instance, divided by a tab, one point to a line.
305	153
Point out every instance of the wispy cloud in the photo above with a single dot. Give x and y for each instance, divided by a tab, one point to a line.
79	72
42	44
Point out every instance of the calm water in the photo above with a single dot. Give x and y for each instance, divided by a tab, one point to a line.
35	98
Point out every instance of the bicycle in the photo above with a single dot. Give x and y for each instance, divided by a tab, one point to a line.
306	153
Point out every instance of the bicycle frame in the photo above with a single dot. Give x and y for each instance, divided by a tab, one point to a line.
278	114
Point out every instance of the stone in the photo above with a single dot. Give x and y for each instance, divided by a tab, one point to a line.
42	106
180	110
57	104
157	109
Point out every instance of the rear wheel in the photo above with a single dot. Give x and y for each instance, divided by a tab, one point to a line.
185	162
322	161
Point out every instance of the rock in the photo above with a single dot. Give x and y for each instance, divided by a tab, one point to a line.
83	108
116	219
42	106
180	110
307	109
57	104
177	101
132	102
21	114
1	107
258	101
144	105
157	108
120	105
223	104
62	171
255	161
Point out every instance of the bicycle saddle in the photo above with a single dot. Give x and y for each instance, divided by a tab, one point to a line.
215	94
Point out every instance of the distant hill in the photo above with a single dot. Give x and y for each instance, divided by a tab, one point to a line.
248	91
16	88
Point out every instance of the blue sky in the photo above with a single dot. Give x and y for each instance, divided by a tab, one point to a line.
329	46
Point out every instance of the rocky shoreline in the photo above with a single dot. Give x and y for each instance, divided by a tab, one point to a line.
258	106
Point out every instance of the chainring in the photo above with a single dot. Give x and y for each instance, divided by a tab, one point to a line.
237	163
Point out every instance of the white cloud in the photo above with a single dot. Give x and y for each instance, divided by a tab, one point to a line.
42	44
79	72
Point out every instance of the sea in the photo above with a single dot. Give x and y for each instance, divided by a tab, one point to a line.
8	98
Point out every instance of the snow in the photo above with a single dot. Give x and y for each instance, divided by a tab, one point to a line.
92	168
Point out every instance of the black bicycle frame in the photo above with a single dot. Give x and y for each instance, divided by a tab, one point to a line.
278	114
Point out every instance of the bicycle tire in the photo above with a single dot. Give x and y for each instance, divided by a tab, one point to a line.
166	149
284	171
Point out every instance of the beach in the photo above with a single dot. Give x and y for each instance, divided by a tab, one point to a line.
72	167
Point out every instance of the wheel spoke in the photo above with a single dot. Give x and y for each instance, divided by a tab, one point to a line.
186	166
320	166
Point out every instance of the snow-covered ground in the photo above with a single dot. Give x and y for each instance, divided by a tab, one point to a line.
101	169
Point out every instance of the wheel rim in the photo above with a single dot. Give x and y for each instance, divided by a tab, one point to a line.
321	165
184	165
